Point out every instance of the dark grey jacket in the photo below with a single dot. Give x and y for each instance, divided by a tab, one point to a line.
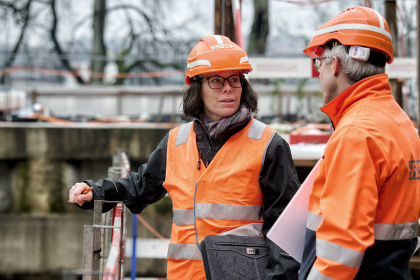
278	182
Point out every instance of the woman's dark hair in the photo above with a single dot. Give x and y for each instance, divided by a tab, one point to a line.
193	106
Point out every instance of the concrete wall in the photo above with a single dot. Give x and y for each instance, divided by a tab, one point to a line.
52	245
41	243
38	165
40	233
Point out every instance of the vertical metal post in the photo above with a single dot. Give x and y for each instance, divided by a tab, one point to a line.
98	238
107	234
88	252
133	254
122	230
97	220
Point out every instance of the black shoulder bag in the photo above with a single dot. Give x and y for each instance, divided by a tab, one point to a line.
234	257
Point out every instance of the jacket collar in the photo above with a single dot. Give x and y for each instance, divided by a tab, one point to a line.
373	86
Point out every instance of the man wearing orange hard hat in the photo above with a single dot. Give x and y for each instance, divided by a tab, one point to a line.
227	173
363	209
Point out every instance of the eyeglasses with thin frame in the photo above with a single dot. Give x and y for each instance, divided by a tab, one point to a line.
217	82
317	62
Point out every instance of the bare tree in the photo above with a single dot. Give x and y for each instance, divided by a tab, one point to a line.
24	16
260	28
147	36
21	15
98	46
57	46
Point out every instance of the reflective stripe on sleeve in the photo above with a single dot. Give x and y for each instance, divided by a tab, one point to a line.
397	231
353	26
338	254
313	221
184	251
314	274
183	217
228	212
182	136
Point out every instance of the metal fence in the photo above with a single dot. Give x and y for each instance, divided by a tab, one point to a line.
104	240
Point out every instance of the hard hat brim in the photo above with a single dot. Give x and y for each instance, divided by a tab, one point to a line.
348	38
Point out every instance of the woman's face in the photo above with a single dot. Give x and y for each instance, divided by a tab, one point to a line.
222	102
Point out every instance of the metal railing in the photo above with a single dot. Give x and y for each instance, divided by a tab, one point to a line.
104	240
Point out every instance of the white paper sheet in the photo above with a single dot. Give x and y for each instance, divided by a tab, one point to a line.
288	232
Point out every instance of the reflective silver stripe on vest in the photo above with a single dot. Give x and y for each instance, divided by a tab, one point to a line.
246	230
186	217
314	274
313	221
338	254
265	151
184	251
183	217
183	133
397	231
228	212
256	130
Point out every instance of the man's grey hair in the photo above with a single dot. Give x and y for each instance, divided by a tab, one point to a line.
354	69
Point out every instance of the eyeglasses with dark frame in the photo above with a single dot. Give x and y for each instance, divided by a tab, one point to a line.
317	62
217	82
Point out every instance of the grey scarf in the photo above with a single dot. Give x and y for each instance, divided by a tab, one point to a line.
215	128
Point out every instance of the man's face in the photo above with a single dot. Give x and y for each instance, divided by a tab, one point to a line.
328	79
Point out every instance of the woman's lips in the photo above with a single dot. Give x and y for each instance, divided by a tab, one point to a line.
227	100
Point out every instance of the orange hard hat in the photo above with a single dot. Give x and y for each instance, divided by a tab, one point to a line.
216	53
357	26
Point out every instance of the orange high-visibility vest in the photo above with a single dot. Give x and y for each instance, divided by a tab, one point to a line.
224	198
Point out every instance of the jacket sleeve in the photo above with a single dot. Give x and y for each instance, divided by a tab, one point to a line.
139	189
279	183
348	202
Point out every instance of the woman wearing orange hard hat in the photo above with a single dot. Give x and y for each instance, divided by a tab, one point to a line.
363	209
226	172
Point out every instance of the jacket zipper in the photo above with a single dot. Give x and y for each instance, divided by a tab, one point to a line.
198	163
208	156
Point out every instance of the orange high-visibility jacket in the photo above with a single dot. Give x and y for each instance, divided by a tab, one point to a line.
224	198
364	209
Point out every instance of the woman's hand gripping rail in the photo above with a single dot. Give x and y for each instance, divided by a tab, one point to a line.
80	193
